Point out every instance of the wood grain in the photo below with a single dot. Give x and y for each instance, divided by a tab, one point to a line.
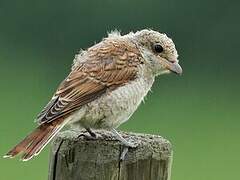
77	158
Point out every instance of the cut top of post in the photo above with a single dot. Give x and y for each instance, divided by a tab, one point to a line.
75	157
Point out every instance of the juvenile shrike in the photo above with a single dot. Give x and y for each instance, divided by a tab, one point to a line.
106	84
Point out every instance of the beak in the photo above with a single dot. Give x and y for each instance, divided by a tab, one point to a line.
173	66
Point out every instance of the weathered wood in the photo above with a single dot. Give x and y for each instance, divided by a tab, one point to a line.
78	158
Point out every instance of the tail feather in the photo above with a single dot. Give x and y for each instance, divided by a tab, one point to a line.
37	140
37	143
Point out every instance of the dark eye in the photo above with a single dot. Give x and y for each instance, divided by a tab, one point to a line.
158	48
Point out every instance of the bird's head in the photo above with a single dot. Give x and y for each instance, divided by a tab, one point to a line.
158	50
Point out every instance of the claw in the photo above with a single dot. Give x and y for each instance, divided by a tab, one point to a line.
93	134
124	152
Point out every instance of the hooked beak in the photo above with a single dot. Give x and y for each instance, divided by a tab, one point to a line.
173	66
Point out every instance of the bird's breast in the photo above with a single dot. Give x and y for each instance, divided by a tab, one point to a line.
116	106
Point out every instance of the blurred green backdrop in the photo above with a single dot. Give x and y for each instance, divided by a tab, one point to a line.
198	112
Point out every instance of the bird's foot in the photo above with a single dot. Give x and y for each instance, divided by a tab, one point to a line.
90	135
126	144
126	147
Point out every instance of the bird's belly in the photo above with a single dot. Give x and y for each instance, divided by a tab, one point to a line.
115	107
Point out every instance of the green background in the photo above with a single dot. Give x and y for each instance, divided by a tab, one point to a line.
198	112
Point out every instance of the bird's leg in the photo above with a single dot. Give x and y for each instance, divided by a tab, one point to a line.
122	140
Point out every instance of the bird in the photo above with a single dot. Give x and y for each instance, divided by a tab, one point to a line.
105	86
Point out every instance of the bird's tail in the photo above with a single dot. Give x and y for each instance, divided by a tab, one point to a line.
36	140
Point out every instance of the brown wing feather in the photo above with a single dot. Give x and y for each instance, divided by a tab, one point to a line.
107	65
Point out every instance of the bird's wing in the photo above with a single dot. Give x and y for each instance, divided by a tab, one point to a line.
108	65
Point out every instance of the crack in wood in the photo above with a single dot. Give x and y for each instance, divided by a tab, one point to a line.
100	159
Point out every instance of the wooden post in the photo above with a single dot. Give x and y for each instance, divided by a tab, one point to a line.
79	158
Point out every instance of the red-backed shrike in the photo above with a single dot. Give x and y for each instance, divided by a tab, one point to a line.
106	84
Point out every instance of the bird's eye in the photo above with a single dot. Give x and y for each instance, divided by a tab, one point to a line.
158	48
